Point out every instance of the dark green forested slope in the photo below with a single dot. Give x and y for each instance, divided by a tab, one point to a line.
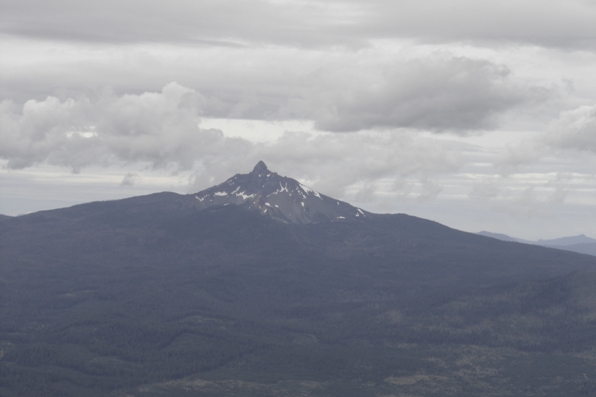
149	296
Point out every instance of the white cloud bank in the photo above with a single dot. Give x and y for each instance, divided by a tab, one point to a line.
160	128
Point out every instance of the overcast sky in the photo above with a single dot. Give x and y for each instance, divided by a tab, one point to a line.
478	114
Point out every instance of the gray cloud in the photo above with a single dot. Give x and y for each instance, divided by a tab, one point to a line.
435	93
572	135
551	23
515	157
129	179
340	92
530	202
161	129
575	129
347	166
351	164
206	22
304	23
522	194
485	190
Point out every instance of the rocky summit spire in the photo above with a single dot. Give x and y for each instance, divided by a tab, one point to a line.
278	197
260	168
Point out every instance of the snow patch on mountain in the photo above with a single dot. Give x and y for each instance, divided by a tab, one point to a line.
281	198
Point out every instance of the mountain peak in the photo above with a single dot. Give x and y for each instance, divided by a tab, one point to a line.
260	168
278	197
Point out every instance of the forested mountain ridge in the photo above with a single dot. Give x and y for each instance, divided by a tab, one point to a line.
155	295
580	244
